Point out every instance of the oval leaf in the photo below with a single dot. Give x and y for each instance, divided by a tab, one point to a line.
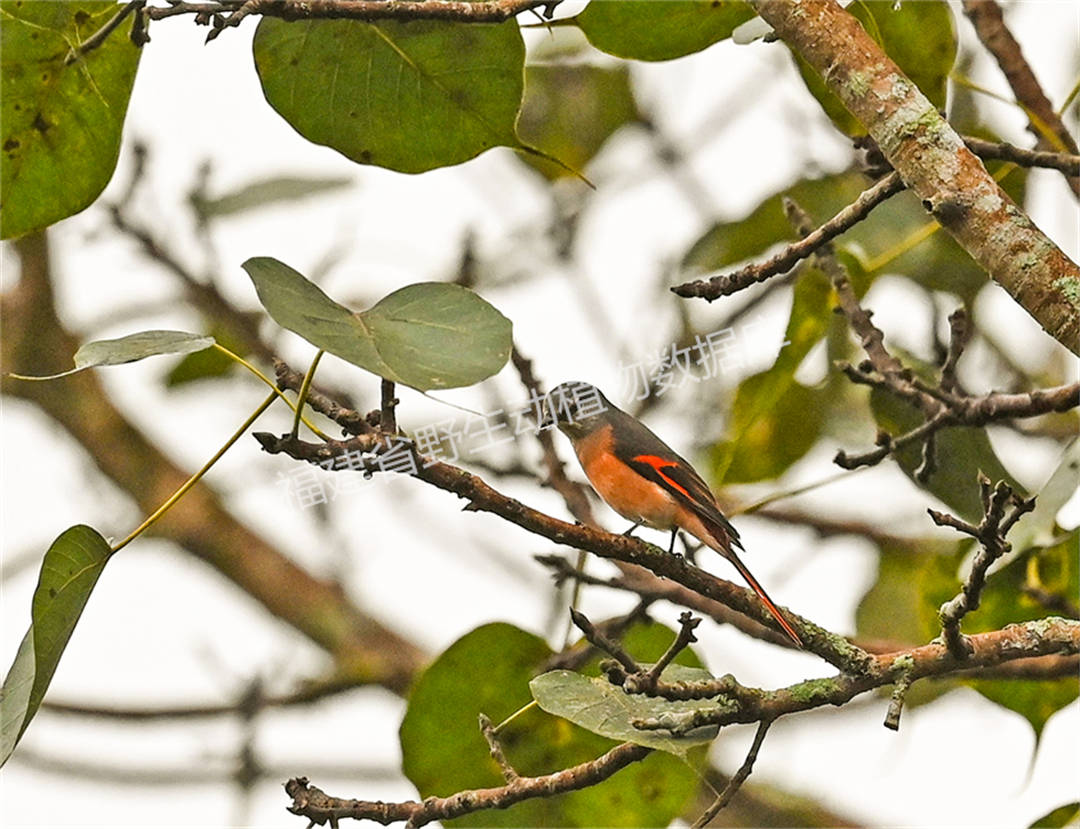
59	124
131	348
597	705
488	671
69	572
570	110
431	335
660	29
406	96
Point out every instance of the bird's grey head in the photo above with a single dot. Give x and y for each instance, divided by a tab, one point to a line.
577	408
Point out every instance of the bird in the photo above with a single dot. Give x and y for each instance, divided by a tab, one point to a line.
643	479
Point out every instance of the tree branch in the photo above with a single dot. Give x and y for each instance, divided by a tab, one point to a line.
319	807
934	162
785	260
989	23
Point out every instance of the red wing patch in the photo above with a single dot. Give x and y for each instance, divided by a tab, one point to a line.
659	464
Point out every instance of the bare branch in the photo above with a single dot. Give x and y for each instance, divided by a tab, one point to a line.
319	807
736	780
727	284
990	533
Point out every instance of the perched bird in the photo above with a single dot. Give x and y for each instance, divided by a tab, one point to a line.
643	479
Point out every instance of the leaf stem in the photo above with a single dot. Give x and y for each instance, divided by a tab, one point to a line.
302	395
513	717
194	479
314	429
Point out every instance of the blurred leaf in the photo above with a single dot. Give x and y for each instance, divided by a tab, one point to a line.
59	125
69	571
660	29
208	364
774	419
570	110
488	671
1039	527
406	96
265	192
1061	816
605	709
131	348
431	335
962	452
919	37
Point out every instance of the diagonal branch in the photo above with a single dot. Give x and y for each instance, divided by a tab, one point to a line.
934	162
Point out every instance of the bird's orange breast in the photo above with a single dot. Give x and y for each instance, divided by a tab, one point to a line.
632	496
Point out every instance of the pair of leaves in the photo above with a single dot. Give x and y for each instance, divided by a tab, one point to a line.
431	335
60	123
488	671
69	572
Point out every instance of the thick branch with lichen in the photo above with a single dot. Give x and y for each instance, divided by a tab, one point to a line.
934	161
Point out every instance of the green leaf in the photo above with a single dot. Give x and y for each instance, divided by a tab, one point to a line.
775	420
1061	816
570	110
605	709
131	348
660	29
431	335
264	192
406	96
59	125
488	671
69	572
210	363
919	37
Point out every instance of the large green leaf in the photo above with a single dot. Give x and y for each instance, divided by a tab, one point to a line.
431	335
488	671
406	96
774	419
660	29
130	349
919	37
59	124
605	709
570	110
68	574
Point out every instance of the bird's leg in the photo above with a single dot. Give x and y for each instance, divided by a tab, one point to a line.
671	546
630	532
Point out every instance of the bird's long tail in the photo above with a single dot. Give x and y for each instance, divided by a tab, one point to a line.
761	594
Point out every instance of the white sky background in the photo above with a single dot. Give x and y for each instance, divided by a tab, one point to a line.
162	628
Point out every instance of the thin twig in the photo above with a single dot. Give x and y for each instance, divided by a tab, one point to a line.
737	779
98	37
1068	163
727	284
319	807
